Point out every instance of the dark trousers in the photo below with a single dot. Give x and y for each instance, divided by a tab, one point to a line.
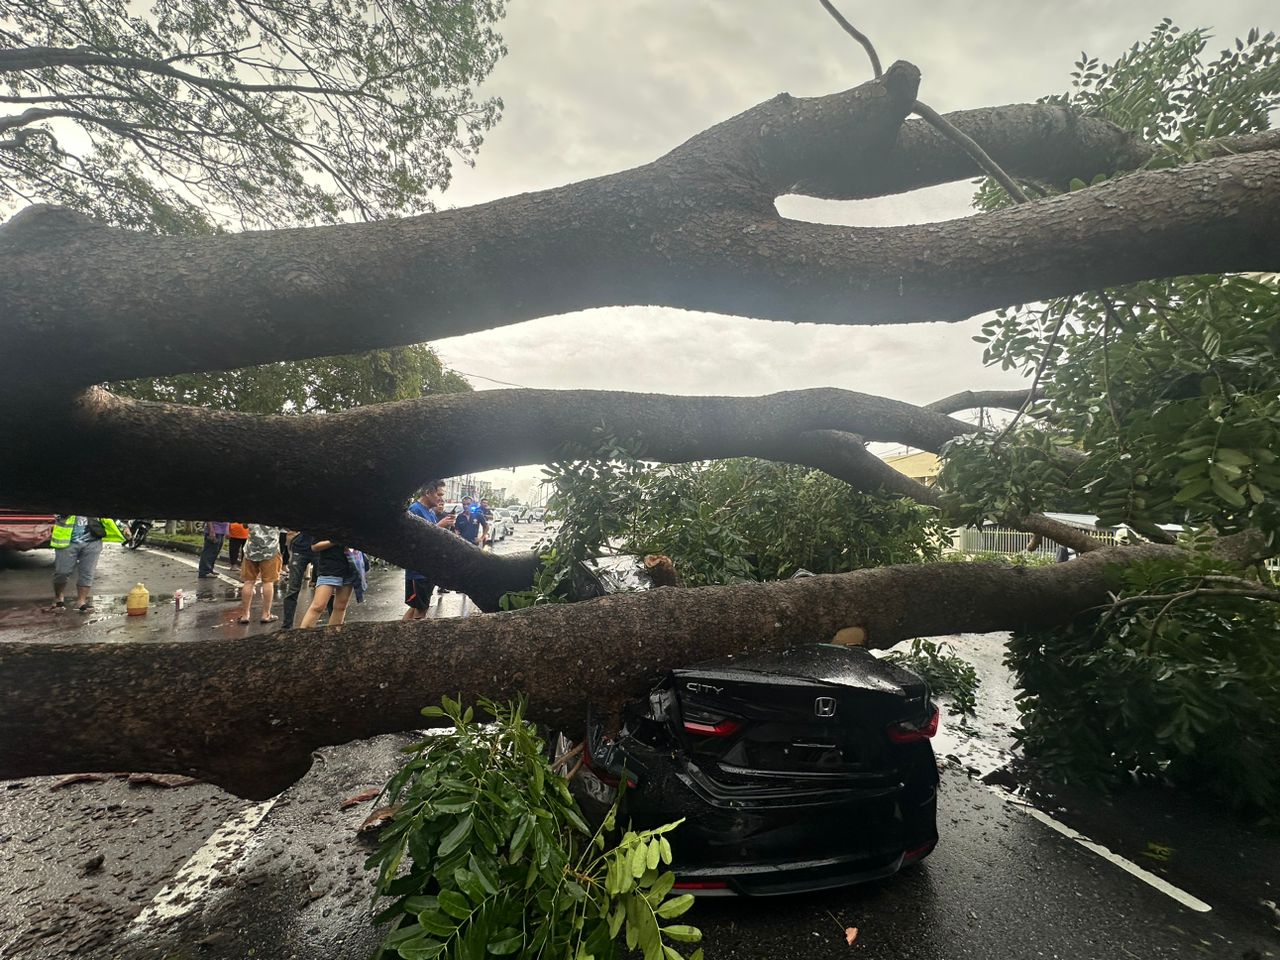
209	555
297	567
234	546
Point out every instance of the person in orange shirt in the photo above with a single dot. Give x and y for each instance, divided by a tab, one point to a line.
237	534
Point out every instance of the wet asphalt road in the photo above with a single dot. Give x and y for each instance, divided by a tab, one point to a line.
191	872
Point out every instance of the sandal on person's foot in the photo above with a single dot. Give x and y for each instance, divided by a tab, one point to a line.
56	605
270	618
244	620
85	607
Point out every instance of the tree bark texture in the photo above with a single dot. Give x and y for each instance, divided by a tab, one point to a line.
82	303
246	714
696	228
352	473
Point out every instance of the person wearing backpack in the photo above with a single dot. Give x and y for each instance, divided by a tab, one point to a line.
77	544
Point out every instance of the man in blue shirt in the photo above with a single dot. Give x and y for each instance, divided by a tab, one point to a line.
471	521
417	588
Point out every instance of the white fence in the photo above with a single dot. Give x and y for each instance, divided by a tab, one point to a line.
1006	540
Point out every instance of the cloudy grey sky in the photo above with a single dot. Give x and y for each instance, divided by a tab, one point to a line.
594	87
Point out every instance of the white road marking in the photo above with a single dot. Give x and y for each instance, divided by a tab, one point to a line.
194	564
1128	866
225	847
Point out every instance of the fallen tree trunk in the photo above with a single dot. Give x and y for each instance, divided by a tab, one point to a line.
246	714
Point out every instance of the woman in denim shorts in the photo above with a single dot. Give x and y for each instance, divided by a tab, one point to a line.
334	578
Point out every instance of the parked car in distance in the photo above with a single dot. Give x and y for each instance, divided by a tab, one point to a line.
794	771
500	525
20	530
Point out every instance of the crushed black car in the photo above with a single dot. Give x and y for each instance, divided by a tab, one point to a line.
795	771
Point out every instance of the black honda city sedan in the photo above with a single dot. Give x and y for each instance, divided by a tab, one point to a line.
793	771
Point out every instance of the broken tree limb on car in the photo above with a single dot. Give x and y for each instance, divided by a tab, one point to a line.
247	713
84	303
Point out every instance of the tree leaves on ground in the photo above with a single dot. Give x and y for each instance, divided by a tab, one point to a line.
488	853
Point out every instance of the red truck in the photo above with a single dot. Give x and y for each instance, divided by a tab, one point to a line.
24	531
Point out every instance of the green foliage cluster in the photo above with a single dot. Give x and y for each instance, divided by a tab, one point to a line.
187	114
488	855
1161	400
321	385
945	672
1161	404
723	521
1021	559
1184	691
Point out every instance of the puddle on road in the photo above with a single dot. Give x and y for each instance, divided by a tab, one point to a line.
23	615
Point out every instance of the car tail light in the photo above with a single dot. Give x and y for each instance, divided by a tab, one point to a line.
604	776
721	728
908	732
917	853
700	885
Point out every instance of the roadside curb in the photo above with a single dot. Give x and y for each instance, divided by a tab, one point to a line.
179	545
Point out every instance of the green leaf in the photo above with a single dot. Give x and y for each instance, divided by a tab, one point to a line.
469	884
683	933
484	873
437	923
507	944
638	858
418	904
1192	490
424	950
675	907
660	888
1237	457
1228	493
652	854
455	904
401	934
453	839
521	836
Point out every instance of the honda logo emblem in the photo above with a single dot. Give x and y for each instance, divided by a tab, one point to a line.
824	707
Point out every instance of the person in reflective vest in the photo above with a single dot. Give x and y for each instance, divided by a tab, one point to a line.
77	544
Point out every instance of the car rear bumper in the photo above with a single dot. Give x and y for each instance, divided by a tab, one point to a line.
777	879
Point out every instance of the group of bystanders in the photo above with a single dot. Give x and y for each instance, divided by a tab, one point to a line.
262	552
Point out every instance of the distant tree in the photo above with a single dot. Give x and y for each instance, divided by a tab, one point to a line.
196	115
323	385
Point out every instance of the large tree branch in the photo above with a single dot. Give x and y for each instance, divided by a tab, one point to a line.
975	399
695	229
843	456
355	470
246	714
374	457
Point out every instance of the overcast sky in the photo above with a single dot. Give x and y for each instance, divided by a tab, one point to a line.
594	87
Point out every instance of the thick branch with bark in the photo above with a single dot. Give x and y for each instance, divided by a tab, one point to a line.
246	714
975	399
696	229
357	469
